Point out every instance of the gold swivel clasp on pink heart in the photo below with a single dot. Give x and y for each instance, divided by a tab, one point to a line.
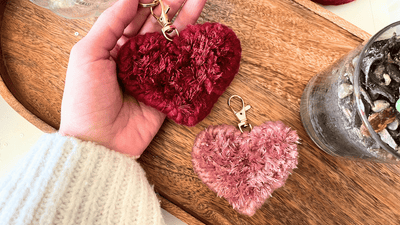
241	115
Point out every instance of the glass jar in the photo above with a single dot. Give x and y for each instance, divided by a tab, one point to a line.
75	9
340	103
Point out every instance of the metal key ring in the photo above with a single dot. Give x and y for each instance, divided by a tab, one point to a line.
150	5
241	115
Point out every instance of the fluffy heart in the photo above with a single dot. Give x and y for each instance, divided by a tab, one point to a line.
182	78
245	168
332	2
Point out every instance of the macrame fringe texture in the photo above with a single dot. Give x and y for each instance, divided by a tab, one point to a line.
182	78
245	168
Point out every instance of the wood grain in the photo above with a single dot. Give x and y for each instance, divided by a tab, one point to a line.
36	45
346	25
284	44
178	212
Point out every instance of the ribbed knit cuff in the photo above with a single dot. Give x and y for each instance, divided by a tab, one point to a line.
64	180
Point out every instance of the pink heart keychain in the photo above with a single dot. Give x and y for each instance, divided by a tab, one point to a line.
184	77
245	168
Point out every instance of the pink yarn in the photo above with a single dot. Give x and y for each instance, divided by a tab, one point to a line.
245	168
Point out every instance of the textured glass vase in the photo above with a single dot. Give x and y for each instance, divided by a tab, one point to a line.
75	9
333	106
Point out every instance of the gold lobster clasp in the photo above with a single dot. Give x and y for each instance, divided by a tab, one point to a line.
167	27
241	115
151	4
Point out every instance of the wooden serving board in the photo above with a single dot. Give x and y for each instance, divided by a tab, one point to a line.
284	44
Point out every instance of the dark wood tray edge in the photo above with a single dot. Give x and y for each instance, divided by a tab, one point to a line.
342	23
6	87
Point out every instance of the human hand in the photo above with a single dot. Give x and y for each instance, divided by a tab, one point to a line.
93	106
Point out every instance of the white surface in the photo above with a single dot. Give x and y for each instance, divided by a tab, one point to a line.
369	15
17	135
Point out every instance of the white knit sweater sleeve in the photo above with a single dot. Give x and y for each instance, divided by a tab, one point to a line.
64	180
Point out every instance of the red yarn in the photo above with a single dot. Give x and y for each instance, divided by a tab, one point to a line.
332	2
182	78
245	168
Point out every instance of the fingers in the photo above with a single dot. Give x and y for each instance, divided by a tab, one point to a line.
141	16
133	28
120	42
151	24
189	13
108	28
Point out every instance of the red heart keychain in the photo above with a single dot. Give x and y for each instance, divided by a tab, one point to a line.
182	78
245	168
